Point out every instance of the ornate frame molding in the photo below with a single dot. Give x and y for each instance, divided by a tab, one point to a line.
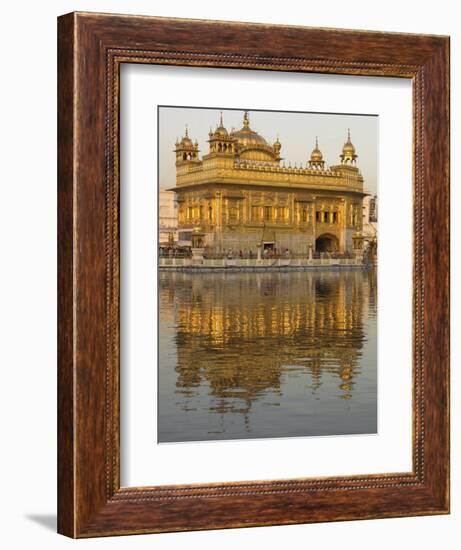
91	49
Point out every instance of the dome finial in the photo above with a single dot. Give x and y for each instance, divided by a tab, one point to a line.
246	120
348	134
187	131
220	119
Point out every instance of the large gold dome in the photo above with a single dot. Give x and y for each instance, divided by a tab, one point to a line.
247	137
251	146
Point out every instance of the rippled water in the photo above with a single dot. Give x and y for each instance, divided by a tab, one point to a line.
249	355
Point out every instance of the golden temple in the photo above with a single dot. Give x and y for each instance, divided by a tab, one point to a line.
241	196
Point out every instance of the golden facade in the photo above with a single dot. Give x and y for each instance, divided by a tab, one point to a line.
241	195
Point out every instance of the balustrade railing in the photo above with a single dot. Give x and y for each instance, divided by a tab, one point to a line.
170	262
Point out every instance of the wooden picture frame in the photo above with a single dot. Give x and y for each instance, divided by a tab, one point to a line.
91	49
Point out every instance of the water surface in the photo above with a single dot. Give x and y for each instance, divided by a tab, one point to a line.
249	355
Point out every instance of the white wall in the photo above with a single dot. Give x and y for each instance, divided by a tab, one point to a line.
28	271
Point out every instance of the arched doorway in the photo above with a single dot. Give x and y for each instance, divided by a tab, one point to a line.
326	243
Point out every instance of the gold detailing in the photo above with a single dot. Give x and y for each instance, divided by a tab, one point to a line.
348	155
240	193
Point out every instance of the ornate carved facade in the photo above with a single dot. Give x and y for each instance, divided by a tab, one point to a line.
240	195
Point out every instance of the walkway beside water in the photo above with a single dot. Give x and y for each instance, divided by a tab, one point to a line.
266	264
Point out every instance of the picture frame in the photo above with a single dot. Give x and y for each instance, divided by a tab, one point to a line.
91	49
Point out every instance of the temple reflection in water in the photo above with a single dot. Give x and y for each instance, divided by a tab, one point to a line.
248	355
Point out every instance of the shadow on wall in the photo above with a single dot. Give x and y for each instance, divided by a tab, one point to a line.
48	521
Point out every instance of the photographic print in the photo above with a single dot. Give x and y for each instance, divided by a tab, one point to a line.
267	274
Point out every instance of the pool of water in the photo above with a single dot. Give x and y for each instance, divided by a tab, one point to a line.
248	355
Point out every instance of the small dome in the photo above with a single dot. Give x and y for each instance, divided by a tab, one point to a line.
221	130
348	156
316	154
186	141
348	147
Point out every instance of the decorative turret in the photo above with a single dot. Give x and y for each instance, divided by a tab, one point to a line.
348	155
186	150
220	141
277	147
221	130
316	160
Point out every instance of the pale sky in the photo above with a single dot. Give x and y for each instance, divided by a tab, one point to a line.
296	132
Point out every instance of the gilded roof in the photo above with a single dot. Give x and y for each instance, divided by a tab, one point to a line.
247	137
